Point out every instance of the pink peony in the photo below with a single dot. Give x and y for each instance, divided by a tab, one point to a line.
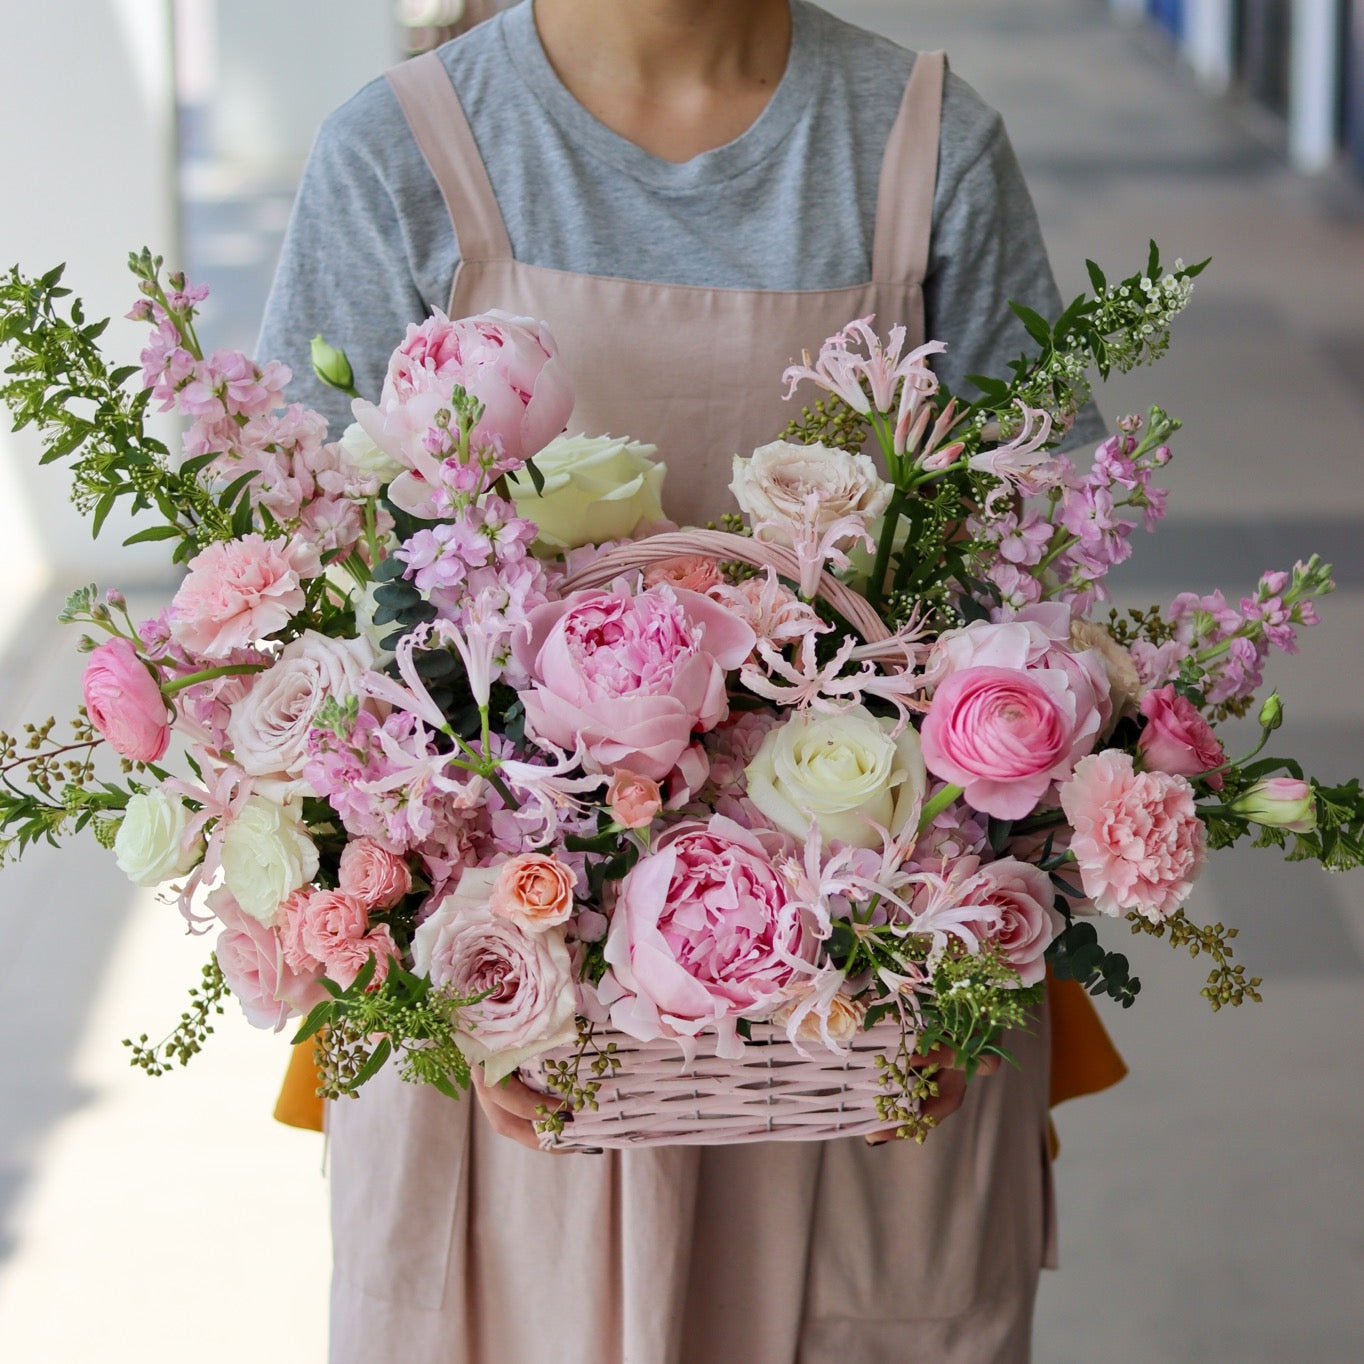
534	890
239	591
530	1000
1022	898
630	677
1138	842
1177	739
251	958
1004	736
124	702
704	931
373	875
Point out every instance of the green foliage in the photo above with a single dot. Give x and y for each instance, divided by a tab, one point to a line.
189	1035
1227	984
566	1081
1077	954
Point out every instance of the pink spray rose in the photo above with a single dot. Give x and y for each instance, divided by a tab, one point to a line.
695	572
333	929
1138	842
238	591
124	703
1022	898
631	677
1177	739
373	875
251	958
534	890
703	932
634	800
464	946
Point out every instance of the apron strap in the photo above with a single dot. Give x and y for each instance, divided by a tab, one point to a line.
436	117
909	174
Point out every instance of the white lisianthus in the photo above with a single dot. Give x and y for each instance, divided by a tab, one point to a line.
266	854
149	845
776	482
845	771
363	455
596	488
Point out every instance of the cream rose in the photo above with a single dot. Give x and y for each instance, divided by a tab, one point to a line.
775	483
365	457
149	847
266	853
845	771
596	488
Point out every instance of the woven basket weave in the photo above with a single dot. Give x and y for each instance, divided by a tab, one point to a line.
772	1094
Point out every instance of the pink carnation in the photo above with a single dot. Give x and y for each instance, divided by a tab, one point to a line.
704	931
124	702
1177	738
238	591
1138	842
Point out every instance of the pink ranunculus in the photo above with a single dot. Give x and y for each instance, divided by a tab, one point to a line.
534	890
372	874
631	677
527	977
239	591
1177	738
124	702
633	800
1022	898
704	931
334	929
1138	842
1003	736
252	960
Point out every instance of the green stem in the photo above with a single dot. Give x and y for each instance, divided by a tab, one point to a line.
937	805
886	541
208	674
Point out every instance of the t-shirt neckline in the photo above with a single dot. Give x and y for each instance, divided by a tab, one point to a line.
797	86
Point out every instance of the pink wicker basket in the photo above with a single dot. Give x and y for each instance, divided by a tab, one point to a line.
772	1094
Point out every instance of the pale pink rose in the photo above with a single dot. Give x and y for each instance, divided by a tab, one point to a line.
509	363
1177	738
252	961
703	932
1138	841
695	572
1004	736
372	874
124	702
269	727
1024	920
529	1007
634	800
534	890
630	677
782	480
334	929
239	591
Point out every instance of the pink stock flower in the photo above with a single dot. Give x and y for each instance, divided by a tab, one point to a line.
372	874
634	801
124	702
1177	738
704	931
1138	842
1019	898
251	957
630	677
238	591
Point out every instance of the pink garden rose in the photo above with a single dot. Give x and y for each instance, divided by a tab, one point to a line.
703	932
695	572
634	800
1025	922
251	958
239	591
463	946
534	890
1138	841
373	875
510	364
631	677
1177	739
124	702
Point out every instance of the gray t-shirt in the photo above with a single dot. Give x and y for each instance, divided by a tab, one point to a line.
789	204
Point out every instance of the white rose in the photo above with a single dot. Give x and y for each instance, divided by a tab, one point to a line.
266	855
845	771
775	482
148	846
596	488
365	457
269	726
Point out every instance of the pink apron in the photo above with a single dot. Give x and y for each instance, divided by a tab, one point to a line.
455	1246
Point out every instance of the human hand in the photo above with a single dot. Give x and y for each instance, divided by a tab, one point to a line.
951	1082
512	1108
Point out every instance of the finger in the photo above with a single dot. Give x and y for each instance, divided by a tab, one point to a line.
515	1097
504	1122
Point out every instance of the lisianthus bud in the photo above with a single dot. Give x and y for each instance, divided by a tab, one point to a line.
1271	713
1279	803
331	366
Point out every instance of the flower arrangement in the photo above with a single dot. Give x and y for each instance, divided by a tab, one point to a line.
471	758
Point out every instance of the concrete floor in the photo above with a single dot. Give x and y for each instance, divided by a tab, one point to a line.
1210	1205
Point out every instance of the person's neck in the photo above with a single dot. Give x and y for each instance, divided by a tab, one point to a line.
676	77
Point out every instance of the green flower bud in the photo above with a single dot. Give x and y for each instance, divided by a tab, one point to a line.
1271	713
1279	803
331	366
